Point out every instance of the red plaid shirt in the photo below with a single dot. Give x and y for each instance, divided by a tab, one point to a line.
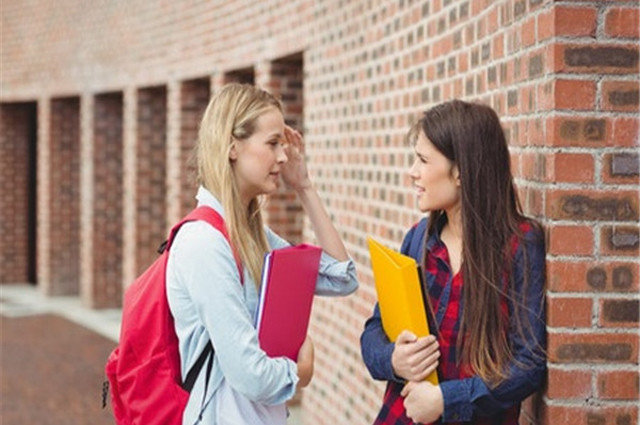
445	294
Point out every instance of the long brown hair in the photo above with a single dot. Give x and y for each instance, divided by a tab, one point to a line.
471	137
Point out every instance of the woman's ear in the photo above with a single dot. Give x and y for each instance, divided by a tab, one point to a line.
456	175
233	151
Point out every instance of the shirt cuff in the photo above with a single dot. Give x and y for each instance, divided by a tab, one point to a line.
457	401
386	361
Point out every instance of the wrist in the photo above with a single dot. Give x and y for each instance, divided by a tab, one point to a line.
303	187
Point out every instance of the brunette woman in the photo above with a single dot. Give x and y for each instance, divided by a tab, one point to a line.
483	264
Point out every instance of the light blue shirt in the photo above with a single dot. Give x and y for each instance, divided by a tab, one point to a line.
208	301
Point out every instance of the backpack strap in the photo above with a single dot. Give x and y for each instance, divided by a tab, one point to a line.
211	216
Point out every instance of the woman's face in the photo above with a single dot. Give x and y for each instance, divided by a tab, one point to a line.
257	159
437	184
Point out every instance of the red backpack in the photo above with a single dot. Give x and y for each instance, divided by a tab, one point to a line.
143	371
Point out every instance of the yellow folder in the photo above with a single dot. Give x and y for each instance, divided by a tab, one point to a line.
399	294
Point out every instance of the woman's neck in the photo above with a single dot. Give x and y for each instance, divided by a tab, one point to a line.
454	221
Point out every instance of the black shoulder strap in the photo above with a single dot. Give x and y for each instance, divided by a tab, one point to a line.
193	373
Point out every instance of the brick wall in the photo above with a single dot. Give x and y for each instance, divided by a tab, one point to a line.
107	206
17	224
563	76
284	78
64	202
150	227
195	97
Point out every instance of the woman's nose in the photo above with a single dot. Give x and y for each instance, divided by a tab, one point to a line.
282	155
413	172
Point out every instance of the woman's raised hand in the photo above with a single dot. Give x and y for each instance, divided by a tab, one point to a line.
294	171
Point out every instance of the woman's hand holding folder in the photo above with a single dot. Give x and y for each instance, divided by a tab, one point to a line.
306	357
414	358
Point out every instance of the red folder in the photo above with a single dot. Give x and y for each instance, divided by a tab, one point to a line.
288	282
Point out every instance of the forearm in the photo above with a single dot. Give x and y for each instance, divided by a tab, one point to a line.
327	235
468	397
377	349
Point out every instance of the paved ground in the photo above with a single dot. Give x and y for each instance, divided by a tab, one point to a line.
52	356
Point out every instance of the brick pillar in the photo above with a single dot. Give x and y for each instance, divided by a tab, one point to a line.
283	78
150	175
172	174
194	100
130	130
44	195
86	197
590	192
18	126
64	205
107	205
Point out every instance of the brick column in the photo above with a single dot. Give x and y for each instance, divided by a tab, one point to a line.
591	207
130	129
86	198
173	171
44	222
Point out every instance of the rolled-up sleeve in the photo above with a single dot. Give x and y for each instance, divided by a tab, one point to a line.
335	277
467	397
202	258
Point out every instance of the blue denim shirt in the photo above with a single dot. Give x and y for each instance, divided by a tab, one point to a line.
469	397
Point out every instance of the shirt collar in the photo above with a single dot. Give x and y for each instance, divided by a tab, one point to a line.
434	239
207	198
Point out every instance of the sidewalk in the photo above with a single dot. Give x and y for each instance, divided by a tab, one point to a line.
52	357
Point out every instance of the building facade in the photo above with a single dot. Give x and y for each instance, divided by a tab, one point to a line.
100	104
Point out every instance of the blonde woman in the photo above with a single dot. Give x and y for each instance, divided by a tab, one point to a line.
244	148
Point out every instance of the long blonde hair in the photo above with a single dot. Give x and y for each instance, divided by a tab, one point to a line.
231	115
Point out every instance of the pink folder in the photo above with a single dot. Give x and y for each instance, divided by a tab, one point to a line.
288	282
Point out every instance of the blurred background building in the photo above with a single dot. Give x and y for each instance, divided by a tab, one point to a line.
101	100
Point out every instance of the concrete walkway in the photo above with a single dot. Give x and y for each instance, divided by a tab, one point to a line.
52	357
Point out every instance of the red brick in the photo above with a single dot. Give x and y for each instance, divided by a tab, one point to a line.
600	415
620	240
575	94
528	32
622	22
620	96
608	348
625	132
578	131
569	312
568	384
620	313
575	21
578	205
546	27
587	276
620	168
571	240
618	385
572	167
596	58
